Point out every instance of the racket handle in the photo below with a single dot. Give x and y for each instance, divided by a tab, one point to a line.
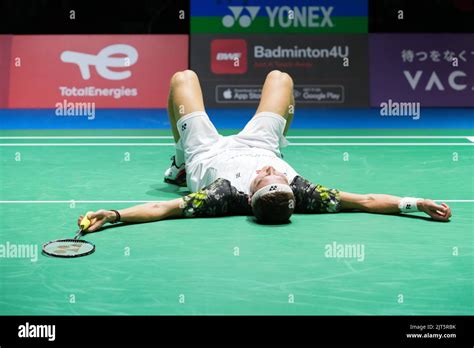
85	222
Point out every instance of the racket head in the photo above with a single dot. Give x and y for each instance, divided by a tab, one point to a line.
68	248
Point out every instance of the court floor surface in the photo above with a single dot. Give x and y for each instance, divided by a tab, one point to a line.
410	265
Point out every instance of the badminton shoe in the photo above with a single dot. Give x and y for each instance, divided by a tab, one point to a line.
175	175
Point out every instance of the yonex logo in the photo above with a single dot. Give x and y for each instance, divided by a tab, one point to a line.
62	249
103	61
244	19
272	188
281	16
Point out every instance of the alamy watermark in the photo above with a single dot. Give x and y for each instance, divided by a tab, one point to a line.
65	109
20	251
345	251
37	331
404	109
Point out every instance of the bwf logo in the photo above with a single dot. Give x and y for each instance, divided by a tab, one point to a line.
103	61
229	56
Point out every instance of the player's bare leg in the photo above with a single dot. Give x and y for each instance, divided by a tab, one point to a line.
185	97
291	113
277	96
186	93
172	118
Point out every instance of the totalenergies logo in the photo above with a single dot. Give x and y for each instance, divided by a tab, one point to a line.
103	61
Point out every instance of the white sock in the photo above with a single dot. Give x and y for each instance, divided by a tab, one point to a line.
179	157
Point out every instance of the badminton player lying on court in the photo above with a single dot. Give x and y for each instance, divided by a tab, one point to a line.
245	174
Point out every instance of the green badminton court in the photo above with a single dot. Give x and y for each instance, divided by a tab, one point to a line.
405	265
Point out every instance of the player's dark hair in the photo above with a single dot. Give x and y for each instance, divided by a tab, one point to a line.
274	208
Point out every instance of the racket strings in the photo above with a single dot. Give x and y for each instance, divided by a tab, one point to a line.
68	248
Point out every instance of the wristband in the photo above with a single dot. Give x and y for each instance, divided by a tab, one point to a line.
408	204
117	217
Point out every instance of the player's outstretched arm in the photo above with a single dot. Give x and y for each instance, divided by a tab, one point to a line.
387	204
139	213
219	198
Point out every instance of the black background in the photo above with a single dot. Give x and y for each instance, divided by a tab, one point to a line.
93	17
289	330
436	16
161	16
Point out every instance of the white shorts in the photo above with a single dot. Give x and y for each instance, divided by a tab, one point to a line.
200	140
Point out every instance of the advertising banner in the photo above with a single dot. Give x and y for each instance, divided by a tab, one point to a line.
279	16
328	70
5	41
112	71
432	69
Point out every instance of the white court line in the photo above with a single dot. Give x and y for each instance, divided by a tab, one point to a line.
89	144
455	200
91	137
70	201
380	144
377	136
125	201
290	144
471	138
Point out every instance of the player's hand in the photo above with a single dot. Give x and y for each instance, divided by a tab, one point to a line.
97	219
439	212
